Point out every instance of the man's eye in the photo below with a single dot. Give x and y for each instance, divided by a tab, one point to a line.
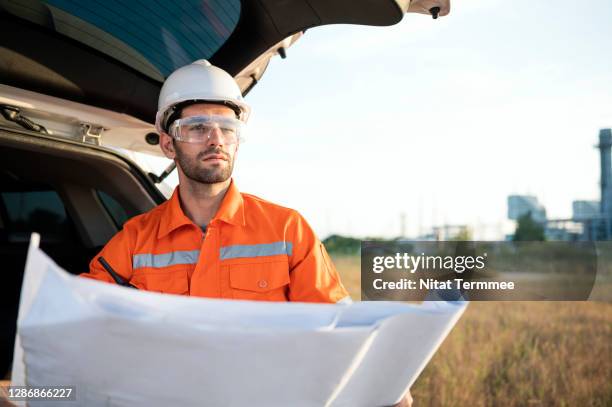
228	131
196	127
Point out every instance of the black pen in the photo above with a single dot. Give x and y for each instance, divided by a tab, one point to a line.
114	274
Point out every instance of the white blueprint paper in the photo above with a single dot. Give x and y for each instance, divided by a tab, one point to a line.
123	347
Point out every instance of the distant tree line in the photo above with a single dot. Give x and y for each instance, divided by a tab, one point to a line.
526	230
337	244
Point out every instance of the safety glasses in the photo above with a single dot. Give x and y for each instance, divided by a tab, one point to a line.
199	129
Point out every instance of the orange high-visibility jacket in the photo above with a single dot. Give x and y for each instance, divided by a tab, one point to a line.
252	250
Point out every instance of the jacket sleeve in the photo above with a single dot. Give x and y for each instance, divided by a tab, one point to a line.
313	277
117	252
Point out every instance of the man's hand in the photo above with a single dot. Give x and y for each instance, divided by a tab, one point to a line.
406	401
4	401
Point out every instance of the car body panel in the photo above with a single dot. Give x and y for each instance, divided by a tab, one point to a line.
66	119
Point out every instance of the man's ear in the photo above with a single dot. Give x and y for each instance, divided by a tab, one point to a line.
166	143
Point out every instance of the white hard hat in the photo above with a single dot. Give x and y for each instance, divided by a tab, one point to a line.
199	81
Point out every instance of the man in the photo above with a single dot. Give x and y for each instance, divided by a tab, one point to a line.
210	240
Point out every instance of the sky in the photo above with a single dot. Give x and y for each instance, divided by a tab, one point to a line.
438	120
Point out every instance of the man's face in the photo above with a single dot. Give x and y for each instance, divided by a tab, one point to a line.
211	161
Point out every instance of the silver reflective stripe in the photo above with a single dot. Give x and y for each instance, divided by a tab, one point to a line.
165	259
256	250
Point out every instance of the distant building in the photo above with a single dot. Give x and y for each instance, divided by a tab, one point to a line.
519	205
599	226
605	145
584	210
591	220
564	229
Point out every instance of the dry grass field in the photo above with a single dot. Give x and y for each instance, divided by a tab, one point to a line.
517	354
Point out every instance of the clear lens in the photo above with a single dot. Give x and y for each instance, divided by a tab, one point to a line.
199	129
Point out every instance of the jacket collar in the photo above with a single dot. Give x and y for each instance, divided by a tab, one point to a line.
230	211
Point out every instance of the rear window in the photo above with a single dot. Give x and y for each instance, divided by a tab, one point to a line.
154	37
36	210
114	209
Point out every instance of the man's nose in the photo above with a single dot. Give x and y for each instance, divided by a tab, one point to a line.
215	137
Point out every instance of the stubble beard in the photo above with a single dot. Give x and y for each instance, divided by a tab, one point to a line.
194	169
